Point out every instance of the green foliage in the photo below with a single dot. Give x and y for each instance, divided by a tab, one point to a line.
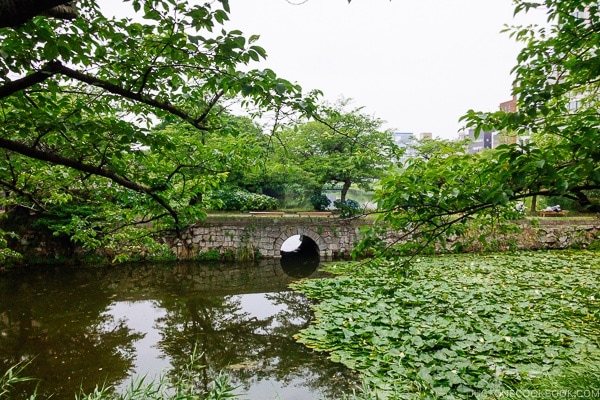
458	326
185	383
348	209
340	146
78	102
444	193
295	195
185	386
59	216
556	85
11	378
240	200
210	255
104	233
8	256
320	202
582	382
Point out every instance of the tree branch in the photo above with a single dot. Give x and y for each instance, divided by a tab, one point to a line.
63	11
210	106
16	12
55	67
80	166
23	193
17	85
128	94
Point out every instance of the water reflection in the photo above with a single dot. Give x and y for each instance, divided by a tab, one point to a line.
299	267
83	327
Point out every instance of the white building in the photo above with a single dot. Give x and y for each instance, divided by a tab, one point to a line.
408	141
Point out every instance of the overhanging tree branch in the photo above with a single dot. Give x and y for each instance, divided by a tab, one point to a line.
80	166
56	67
128	94
16	12
17	85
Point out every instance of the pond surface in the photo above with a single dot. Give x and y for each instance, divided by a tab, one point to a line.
83	327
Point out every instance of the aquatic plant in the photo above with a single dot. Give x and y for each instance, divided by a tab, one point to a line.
458	326
183	383
12	377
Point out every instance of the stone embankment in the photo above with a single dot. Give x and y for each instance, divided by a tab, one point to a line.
544	234
336	238
558	234
258	236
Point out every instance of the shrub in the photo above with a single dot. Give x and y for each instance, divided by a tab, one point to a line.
240	200
514	210
348	208
320	202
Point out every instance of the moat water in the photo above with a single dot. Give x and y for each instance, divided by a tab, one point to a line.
85	327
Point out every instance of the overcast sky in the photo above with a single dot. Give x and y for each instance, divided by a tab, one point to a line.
418	64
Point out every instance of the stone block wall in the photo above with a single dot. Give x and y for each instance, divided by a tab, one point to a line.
249	237
336	238
265	236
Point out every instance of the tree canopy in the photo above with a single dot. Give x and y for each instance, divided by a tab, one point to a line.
79	96
556	87
342	146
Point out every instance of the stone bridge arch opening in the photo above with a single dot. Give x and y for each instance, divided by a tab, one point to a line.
333	238
300	245
307	240
300	256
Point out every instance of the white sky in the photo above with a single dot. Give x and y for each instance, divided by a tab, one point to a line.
418	64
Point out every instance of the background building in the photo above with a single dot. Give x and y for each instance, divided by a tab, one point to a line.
408	141
486	140
510	105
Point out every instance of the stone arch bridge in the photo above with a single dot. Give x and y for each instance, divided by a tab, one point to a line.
246	235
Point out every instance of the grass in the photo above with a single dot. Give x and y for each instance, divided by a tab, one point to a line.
184	384
11	379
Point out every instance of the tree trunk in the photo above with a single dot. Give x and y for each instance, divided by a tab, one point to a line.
16	12
533	208
345	188
585	203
